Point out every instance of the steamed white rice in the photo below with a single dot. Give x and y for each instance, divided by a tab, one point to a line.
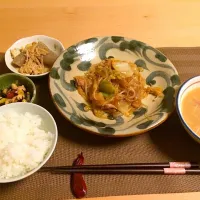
23	144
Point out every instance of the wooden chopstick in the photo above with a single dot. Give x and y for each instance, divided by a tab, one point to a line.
153	166
165	171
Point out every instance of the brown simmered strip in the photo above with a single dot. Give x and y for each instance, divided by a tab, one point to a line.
50	57
19	60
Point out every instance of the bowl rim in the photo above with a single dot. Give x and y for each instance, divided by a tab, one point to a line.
27	79
51	150
119	135
10	67
178	107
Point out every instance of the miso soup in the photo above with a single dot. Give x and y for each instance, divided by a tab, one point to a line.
190	108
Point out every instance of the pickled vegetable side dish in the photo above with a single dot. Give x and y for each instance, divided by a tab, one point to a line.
14	93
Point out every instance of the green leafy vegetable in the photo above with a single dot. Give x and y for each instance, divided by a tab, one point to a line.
106	87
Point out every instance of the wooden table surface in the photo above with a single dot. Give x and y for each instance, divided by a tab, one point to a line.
160	23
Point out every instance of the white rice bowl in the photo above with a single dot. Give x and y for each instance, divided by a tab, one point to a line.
28	136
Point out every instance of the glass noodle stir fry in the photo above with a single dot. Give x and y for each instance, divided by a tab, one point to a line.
113	88
15	93
35	58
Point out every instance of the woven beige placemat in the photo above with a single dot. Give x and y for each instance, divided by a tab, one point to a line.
168	142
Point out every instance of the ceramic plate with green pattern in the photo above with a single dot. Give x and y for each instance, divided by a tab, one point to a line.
77	59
